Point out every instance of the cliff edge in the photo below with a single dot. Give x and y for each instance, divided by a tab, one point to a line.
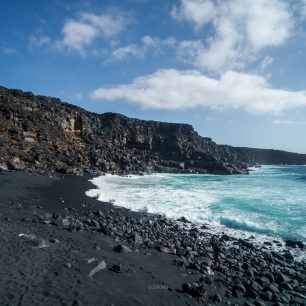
44	135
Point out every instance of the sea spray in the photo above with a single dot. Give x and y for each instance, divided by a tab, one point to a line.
271	200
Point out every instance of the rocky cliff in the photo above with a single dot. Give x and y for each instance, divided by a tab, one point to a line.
43	134
267	156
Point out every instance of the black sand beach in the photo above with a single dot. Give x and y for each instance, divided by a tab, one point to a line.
60	247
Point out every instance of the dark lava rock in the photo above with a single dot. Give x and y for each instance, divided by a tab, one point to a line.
295	244
166	250
281	278
42	134
194	290
217	298
266	296
136	238
184	220
116	268
225	238
259	303
121	248
272	288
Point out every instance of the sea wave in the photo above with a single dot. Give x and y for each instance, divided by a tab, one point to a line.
245	225
269	201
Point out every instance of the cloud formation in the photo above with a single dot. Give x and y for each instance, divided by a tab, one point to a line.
147	44
172	89
239	29
80	33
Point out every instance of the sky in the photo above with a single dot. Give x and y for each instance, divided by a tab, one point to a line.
234	69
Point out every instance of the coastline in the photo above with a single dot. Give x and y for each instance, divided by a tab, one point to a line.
205	201
165	263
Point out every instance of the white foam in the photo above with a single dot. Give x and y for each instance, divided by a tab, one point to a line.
246	203
147	193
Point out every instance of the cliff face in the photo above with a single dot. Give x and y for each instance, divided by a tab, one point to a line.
267	156
43	134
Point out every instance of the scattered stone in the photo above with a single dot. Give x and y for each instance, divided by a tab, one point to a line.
281	278
16	164
208	270
3	167
116	268
77	303
295	244
121	248
217	298
166	250
259	303
54	240
47	216
101	266
136	238
43	244
65	222
266	296
194	290
184	220
244	270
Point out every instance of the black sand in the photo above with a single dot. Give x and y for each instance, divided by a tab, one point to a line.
50	229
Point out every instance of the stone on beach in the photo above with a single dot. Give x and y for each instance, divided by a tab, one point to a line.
170	250
121	248
101	266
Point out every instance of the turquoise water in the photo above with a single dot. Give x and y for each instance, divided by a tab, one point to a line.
271	200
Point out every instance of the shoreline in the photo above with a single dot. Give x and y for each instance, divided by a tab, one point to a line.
233	225
181	265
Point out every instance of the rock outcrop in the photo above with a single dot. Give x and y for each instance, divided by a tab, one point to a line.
267	156
42	134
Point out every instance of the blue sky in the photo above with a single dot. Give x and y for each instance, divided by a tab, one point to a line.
235	69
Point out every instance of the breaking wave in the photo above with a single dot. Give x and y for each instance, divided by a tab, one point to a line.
271	200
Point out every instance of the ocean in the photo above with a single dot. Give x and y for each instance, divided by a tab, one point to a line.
271	201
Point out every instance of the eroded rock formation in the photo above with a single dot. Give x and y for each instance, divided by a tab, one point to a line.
43	134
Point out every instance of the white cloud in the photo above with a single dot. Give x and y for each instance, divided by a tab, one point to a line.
39	41
147	44
157	42
266	62
129	50
176	90
108	25
238	31
8	51
79	34
198	12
